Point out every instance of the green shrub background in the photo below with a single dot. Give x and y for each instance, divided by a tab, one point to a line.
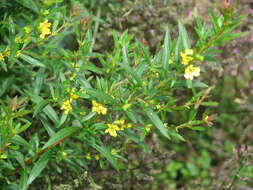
171	133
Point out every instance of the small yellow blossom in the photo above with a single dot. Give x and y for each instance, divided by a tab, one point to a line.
129	125
186	56
144	83
27	39
199	57
73	77
191	72
1	57
97	157
18	53
18	40
121	124
82	113
44	28
74	96
88	156
170	61
158	106
46	12
3	156
64	154
148	127
113	152
98	108
126	106
112	129
27	29
7	51
66	106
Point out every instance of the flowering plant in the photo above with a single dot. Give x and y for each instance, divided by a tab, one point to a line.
67	104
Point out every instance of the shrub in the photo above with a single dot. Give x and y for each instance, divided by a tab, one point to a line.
62	103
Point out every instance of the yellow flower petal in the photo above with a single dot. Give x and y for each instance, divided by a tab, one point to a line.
191	72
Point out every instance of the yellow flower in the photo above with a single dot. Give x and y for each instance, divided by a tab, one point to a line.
18	53
97	157
148	127
120	123
126	106
113	152
191	72
73	76
27	29
7	51
98	108
46	12
18	40
186	56
1	57
189	52
44	28
129	125
112	129
66	106
27	39
74	96
88	156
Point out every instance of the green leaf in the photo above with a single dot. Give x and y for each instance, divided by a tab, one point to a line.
29	4
48	110
199	84
47	126
184	40
104	151
88	116
23	128
91	67
166	50
157	122
198	128
63	133
23	180
193	114
31	60
38	167
214	21
130	71
177	136
99	94
40	106
211	104
39	81
20	141
51	2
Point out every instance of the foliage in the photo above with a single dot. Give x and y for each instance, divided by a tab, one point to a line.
65	105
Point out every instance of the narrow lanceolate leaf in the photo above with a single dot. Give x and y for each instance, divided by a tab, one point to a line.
214	21
48	110
99	94
130	72
38	167
157	122
184	39
20	141
23	180
166	50
63	133
104	151
39	107
31	60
